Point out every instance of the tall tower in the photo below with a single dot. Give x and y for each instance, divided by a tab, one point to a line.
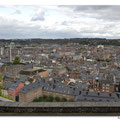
11	46
18	52
2	51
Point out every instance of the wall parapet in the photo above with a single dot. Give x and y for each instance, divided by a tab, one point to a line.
60	104
57	108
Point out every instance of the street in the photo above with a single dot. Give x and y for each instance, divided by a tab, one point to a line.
4	99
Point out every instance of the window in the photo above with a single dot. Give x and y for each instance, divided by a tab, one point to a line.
85	99
107	87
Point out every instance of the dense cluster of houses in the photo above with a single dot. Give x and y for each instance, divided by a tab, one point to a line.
71	71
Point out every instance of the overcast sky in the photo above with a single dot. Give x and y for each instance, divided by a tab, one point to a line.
59	21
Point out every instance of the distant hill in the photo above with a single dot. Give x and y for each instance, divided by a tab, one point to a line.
83	41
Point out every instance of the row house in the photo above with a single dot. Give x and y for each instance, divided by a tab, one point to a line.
39	88
14	89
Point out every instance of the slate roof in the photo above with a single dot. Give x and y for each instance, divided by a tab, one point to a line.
23	78
32	86
28	66
13	66
51	86
5	60
94	96
116	73
15	85
7	85
1	64
6	74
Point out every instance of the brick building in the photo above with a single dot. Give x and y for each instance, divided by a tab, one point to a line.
45	73
39	88
13	69
14	89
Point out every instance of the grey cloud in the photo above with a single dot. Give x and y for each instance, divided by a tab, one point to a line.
17	12
40	16
91	7
16	29
105	12
64	23
85	7
109	29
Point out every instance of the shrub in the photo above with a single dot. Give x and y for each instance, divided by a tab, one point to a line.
0	92
54	100
44	96
0	77
2	87
106	60
63	100
40	99
57	99
7	97
51	98
16	60
71	100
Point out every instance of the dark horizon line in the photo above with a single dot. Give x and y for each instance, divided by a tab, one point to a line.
60	38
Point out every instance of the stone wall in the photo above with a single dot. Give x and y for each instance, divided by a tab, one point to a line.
54	94
68	108
30	96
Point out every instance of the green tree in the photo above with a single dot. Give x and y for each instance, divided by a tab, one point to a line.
40	99
16	60
30	79
0	92
70	100
1	87
57	99
108	60
0	77
44	97
54	100
63	100
50	98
